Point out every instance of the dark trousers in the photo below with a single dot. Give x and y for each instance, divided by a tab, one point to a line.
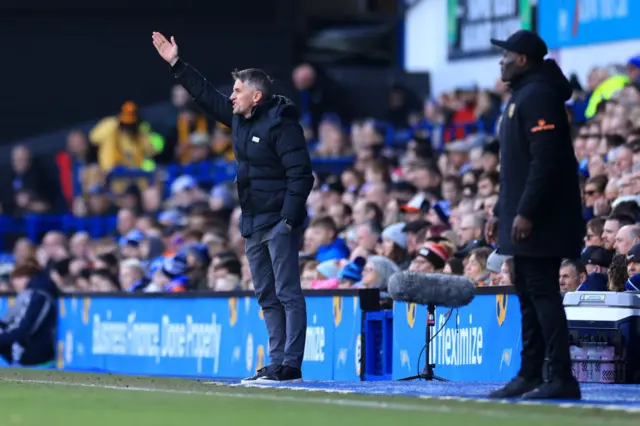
544	322
273	260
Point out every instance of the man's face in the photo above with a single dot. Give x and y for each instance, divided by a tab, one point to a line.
366	239
412	242
98	203
336	211
633	268
22	251
611	228
488	204
449	191
467	232
315	237
591	194
331	198
579	146
244	98
20	159
199	152
592	239
623	241
185	197
485	187
77	143
126	221
376	193
511	65
591	146
596	165
569	280
624	160
20	283
360	212
128	276
79	245
626	185
151	199
458	159
489	162
51	242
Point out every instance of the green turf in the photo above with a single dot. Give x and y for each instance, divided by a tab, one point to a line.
66	399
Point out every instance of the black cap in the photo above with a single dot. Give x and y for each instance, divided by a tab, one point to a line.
335	186
415	226
403	186
464	252
596	255
633	255
524	42
491	147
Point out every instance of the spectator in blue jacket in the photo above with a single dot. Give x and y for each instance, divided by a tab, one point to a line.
28	330
321	240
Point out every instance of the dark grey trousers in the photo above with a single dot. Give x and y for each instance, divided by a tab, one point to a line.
273	259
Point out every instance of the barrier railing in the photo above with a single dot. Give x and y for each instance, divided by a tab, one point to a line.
33	226
223	335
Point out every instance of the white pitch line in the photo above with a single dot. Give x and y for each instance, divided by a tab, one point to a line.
346	402
606	407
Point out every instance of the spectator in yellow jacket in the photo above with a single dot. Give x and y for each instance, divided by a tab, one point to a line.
123	140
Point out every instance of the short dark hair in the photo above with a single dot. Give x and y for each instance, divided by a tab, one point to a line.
575	264
599	181
622	219
494	177
233	266
378	214
325	222
257	78
596	225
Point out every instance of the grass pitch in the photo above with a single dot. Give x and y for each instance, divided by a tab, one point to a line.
36	398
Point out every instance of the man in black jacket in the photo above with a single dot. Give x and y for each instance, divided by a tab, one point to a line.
28	329
274	179
539	211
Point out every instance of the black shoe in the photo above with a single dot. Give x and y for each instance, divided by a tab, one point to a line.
264	371
516	388
568	389
282	374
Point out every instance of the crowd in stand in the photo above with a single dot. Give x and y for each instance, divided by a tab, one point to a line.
419	204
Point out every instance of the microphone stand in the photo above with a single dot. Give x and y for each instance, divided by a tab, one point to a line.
427	371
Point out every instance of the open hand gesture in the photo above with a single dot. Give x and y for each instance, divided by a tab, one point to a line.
168	50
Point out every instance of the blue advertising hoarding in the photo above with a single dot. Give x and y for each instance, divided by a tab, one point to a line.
200	337
566	23
480	342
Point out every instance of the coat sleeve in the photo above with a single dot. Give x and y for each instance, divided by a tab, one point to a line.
545	125
291	148
35	313
205	95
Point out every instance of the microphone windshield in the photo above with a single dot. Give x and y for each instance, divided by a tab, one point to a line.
452	291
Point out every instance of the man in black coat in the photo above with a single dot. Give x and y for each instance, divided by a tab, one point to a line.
538	213
274	179
28	329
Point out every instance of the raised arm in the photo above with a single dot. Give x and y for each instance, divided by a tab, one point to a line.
210	100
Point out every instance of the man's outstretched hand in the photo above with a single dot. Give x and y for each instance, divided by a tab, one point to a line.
168	50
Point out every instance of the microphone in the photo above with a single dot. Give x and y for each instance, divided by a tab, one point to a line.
451	291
